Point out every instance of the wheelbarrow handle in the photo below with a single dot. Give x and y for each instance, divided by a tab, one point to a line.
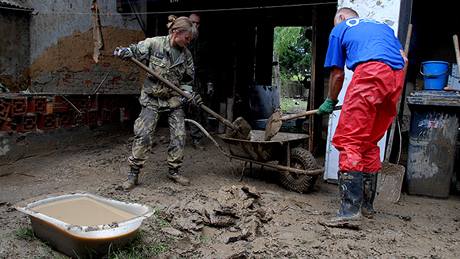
183	93
306	113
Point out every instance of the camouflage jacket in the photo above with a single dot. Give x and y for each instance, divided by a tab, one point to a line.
179	71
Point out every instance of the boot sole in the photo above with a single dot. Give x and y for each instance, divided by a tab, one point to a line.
354	224
178	182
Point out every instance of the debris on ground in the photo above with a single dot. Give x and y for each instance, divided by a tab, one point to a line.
216	216
238	208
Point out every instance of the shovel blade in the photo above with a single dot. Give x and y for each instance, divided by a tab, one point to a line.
242	129
273	125
389	183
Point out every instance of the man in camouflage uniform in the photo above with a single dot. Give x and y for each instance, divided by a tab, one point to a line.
169	57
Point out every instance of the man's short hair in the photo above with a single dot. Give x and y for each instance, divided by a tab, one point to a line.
348	11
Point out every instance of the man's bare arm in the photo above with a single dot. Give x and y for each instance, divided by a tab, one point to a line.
336	78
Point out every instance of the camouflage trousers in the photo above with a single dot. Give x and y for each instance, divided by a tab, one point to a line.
143	131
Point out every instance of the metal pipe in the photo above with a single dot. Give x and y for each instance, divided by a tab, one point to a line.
100	84
139	20
71	104
50	94
209	136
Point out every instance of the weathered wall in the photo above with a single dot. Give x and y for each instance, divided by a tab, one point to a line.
62	48
14	49
386	11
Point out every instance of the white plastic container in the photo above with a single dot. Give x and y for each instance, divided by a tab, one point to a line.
84	241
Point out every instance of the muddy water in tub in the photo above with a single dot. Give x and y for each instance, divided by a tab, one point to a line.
83	211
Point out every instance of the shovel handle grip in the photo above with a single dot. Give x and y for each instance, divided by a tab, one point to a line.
182	93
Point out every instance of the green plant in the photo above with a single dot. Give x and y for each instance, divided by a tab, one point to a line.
205	239
139	248
159	219
25	233
294	52
162	223
158	248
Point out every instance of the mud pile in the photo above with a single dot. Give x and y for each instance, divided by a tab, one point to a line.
237	209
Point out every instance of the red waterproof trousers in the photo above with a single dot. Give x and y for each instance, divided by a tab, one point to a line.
367	112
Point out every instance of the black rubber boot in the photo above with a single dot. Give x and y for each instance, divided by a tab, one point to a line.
133	179
369	192
175	176
351	198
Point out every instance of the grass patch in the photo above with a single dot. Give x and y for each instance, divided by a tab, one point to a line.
158	248
160	220
25	233
292	105
205	239
139	248
162	223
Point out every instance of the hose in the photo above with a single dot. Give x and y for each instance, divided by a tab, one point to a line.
206	133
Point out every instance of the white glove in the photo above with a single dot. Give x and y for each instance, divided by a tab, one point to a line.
123	53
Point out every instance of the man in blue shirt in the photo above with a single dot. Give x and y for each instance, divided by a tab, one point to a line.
370	49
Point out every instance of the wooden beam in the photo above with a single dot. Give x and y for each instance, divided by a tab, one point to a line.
321	27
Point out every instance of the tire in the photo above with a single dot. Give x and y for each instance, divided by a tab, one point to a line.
301	159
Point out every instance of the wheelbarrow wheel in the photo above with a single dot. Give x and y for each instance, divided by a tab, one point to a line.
301	159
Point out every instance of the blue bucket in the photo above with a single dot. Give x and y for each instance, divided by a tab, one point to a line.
434	74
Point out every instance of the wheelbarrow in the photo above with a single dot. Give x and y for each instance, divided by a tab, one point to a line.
297	167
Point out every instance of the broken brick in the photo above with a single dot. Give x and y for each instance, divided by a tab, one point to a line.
37	104
46	121
5	106
29	122
18	106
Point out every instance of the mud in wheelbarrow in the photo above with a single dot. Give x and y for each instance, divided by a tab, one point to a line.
296	166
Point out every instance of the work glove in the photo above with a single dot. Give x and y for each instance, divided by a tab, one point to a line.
327	107
123	53
196	99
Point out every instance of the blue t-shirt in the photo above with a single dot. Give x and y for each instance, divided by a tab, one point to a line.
358	40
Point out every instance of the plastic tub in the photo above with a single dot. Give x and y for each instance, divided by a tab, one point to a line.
84	240
435	74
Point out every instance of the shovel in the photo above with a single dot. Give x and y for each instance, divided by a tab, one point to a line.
240	128
276	120
391	176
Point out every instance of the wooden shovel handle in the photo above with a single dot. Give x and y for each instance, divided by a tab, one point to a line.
457	51
298	115
306	113
183	93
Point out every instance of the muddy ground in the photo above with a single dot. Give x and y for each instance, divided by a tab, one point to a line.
218	216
